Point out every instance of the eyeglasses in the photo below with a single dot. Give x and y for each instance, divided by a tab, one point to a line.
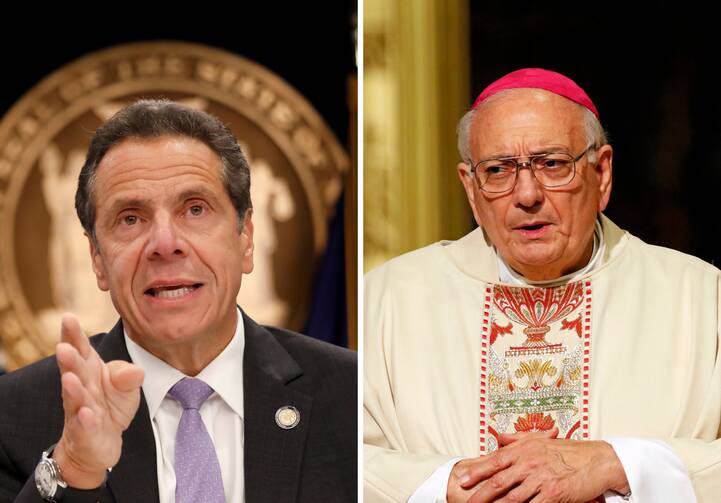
551	170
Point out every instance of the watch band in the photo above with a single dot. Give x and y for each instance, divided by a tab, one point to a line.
48	479
62	492
72	495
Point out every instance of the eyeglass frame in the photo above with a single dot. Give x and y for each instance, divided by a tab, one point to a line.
529	164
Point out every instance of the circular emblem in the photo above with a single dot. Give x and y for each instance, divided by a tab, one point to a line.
45	269
287	417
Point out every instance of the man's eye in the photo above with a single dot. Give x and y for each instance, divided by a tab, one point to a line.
553	162
499	169
130	220
196	210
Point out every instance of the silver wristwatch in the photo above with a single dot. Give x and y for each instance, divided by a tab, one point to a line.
48	478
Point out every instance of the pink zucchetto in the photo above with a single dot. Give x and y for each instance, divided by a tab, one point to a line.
538	78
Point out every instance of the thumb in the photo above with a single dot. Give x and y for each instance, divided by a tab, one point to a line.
125	376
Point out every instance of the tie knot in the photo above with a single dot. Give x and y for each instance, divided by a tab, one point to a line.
190	392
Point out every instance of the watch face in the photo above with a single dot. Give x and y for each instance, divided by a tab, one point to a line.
45	479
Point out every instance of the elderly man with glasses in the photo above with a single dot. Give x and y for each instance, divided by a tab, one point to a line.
548	355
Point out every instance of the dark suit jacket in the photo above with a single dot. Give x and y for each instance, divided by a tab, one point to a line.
315	461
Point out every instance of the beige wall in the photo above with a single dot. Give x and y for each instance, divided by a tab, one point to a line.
415	90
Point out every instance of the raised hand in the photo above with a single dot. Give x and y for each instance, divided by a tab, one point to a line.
100	400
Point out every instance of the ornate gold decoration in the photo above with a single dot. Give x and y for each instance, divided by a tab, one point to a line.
296	164
535	370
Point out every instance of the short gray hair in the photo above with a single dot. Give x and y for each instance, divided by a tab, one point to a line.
149	119
595	134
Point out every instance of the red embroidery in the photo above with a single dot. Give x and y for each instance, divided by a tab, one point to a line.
496	331
537	308
534	421
482	391
586	361
535	373
572	325
573	428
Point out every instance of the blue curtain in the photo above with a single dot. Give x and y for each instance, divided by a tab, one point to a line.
328	318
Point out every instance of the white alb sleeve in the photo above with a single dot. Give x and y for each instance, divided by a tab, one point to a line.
435	488
654	472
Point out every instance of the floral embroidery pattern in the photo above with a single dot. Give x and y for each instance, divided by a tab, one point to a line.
535	361
534	422
535	370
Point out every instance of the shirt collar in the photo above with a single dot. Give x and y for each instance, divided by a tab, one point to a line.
224	374
508	275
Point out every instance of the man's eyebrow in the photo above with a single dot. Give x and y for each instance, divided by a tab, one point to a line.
126	202
555	149
198	193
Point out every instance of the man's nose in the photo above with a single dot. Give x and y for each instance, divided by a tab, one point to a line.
166	239
528	191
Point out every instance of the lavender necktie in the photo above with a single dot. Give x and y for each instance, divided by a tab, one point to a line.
197	471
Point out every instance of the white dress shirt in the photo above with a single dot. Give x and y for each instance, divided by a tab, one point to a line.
222	413
654	472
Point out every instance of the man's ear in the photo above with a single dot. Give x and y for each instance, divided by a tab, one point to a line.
469	184
604	171
246	237
101	273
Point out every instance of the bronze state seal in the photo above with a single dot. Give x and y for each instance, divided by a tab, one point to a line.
296	164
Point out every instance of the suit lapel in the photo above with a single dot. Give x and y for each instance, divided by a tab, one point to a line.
272	455
135	476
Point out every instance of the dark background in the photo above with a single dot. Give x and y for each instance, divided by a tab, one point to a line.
653	75
310	46
312	49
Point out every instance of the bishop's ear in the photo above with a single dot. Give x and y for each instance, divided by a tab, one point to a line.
469	185
604	171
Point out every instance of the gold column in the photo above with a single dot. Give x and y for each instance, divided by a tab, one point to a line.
416	87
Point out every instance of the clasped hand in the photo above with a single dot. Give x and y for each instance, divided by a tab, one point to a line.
538	468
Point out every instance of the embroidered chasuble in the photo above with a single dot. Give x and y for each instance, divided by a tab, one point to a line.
453	358
535	361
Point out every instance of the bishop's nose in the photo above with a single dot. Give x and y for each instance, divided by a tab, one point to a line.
528	191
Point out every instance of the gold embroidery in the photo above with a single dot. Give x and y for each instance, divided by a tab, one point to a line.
535	370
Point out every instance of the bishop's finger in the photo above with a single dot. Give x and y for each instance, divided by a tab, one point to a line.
485	468
523	492
500	484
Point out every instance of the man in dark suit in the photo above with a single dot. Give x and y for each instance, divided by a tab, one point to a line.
186	398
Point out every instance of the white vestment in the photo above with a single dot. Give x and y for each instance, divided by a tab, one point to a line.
453	358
